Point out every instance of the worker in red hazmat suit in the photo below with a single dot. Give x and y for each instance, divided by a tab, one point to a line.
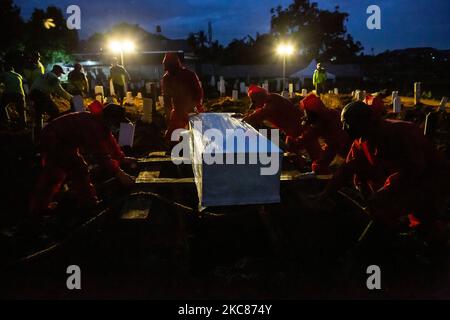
276	110
322	123
396	167
62	141
182	92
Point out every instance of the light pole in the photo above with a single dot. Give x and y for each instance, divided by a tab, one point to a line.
122	46
284	50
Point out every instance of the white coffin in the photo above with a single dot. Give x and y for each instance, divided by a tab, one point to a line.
227	182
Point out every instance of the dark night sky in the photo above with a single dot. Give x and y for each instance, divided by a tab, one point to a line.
405	23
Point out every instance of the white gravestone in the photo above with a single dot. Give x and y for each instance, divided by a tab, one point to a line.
99	93
222	86
242	88
235	95
266	85
129	98
397	104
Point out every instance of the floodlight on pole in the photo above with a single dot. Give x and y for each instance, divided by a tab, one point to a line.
285	50
128	46
121	47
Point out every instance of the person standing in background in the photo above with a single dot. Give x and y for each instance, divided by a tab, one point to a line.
13	93
120	77
33	68
78	84
320	79
182	92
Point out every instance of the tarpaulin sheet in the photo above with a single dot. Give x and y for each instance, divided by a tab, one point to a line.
226	182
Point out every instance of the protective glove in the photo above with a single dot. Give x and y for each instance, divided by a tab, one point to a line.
130	162
125	179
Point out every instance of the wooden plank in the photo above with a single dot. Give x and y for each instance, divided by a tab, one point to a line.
160	160
143	179
157	154
295	175
136	209
290	155
150	177
147	175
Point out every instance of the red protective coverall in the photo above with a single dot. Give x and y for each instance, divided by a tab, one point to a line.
327	127
182	91
61	142
400	162
279	112
377	105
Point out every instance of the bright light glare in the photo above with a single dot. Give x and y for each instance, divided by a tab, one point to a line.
128	46
115	46
285	49
123	46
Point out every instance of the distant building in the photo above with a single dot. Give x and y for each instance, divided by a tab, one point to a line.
143	65
344	71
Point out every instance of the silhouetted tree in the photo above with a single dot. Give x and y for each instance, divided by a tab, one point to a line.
11	29
203	50
320	33
54	42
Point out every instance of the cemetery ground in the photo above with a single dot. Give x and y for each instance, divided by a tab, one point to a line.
297	249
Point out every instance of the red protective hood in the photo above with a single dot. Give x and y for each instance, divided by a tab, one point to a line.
254	89
312	103
171	61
